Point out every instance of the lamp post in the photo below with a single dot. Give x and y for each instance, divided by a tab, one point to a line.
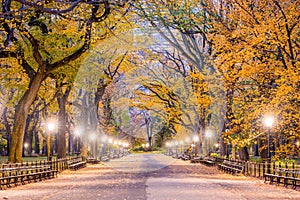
208	135
268	121
26	148
77	135
195	140
103	146
176	148
216	147
50	127
93	138
181	146
110	142
168	148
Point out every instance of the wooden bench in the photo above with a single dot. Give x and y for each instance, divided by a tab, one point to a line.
175	155
196	159
231	167
25	174
76	163
92	160
104	158
185	157
284	176
209	161
112	156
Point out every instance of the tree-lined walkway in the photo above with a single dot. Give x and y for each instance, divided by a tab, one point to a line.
148	176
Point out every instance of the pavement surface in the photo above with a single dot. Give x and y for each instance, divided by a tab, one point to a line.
148	177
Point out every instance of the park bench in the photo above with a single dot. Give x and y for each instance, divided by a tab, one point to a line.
284	176
112	156
209	161
196	159
104	158
185	157
77	163
92	160
231	167
174	155
14	174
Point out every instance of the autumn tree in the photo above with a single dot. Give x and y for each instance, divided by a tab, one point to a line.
184	25
256	49
42	37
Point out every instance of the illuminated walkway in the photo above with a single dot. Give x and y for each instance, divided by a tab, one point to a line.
148	176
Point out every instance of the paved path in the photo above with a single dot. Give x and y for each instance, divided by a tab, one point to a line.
148	177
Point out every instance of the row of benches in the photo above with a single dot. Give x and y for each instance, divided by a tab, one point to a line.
279	176
105	158
231	167
77	163
25	174
14	174
284	176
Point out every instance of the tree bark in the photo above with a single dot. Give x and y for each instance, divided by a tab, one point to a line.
20	118
62	118
244	154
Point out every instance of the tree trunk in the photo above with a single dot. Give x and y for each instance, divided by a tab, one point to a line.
244	154
233	152
223	149
36	142
21	114
62	130
7	129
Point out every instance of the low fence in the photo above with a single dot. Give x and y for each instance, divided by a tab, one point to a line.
255	169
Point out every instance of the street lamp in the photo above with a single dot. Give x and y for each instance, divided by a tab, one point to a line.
26	145
103	146
110	142
208	135
77	135
195	140
181	146
93	139
50	127
176	147
217	146
268	121
168	148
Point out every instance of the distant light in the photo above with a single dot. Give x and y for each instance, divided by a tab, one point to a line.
196	138
209	133
26	145
77	133
187	139
110	140
51	126
297	143
147	145
103	138
93	136
181	142
269	120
